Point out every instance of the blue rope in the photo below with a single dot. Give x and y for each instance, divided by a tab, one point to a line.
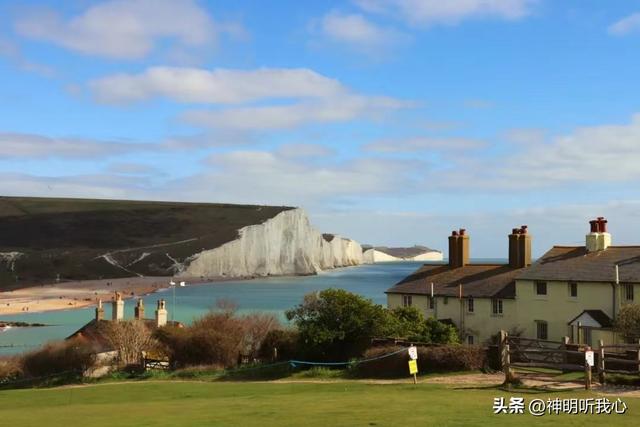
354	362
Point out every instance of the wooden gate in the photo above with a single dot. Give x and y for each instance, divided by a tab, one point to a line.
543	360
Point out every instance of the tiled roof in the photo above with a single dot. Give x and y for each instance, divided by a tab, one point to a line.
478	280
574	263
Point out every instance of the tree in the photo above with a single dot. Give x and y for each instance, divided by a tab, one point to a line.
336	324
409	323
628	322
130	339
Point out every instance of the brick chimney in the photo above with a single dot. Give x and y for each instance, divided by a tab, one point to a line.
598	238
117	312
139	310
519	247
458	248
99	311
161	314
453	249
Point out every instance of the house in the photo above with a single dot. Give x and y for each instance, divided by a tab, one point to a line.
577	291
479	299
571	291
94	331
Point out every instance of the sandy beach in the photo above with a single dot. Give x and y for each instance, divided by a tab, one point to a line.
70	295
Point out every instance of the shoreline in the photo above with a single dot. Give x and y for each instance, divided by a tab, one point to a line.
85	293
80	294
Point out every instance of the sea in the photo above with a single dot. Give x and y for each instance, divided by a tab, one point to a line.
272	295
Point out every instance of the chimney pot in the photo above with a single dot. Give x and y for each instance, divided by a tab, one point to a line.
462	231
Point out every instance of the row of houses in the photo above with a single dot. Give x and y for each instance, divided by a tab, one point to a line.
574	291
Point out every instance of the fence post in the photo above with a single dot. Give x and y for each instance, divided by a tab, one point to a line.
587	371
602	376
505	359
638	356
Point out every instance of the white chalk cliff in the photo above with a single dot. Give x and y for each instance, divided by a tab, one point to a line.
373	255
286	244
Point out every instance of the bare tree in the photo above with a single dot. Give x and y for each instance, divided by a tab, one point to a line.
130	339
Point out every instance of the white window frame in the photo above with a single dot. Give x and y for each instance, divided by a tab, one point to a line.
497	307
407	300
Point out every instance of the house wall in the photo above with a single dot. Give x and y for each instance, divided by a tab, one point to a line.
557	308
482	323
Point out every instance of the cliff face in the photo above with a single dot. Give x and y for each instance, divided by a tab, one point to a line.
286	244
47	240
384	254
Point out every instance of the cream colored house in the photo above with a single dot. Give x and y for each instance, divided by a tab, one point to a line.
570	291
479	299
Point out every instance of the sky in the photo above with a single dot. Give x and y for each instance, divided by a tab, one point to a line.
391	122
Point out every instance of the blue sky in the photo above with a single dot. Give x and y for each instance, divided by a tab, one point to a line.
390	121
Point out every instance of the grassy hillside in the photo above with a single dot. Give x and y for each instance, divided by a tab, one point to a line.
281	404
68	237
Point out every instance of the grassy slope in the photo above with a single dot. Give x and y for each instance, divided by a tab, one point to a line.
265	404
64	236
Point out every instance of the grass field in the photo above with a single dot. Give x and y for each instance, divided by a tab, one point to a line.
347	403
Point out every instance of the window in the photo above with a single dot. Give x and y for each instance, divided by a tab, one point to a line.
406	300
573	289
445	300
628	292
541	288
496	306
470	305
541	330
432	301
470	339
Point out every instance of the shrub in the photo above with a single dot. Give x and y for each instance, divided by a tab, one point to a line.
10	369
445	358
218	338
628	322
72	356
336	325
284	340
409	323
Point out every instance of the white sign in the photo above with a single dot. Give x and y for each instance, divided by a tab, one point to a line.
588	357
413	352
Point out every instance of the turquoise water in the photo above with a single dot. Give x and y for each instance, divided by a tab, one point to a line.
272	295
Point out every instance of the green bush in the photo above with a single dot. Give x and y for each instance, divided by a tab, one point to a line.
441	358
410	324
337	325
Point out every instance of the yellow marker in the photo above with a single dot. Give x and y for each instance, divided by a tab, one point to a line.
413	367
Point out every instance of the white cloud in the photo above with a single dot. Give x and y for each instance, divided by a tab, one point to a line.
598	154
336	109
407	145
125	29
19	145
273	178
357	31
429	12
220	86
627	25
304	150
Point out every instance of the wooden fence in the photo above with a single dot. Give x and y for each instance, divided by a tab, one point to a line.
519	352
618	359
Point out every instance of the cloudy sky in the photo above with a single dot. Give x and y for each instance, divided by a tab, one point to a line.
390	121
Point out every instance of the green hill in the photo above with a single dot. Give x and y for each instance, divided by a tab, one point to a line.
42	239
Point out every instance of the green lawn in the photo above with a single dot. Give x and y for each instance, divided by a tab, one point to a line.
190	403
